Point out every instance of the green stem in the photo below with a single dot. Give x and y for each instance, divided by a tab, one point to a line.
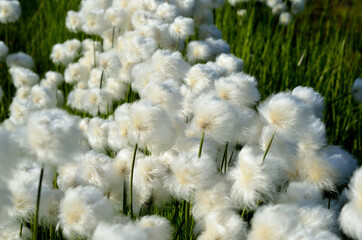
131	181
243	213
51	233
21	230
201	143
339	98
55	177
124	198
231	157
224	158
267	149
100	83
94	53
35	230
180	228
113	37
178	39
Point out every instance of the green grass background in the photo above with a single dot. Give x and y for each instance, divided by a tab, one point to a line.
321	48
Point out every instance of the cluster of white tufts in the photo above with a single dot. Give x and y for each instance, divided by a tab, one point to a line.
284	9
198	134
10	11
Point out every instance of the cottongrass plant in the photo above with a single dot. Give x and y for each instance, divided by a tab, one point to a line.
170	138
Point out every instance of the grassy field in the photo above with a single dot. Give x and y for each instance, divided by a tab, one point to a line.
320	49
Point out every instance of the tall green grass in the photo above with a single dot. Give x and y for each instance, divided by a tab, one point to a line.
320	49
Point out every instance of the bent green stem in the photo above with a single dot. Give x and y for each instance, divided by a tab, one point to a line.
267	149
131	181
201	143
113	37
21	230
224	158
35	230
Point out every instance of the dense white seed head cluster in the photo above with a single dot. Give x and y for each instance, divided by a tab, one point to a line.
202	132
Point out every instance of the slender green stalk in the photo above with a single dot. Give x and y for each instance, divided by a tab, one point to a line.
340	98
101	81
21	230
52	233
243	213
178	39
113	37
131	181
180	228
94	53
187	218
231	157
268	147
124	198
201	143
224	158
55	178
35	229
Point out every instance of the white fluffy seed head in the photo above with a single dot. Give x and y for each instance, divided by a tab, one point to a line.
272	222
23	77
109	231
3	50
357	90
97	133
53	136
199	51
350	219
81	209
156	227
152	125
230	62
61	55
10	11
166	94
169	64
312	98
10	230
42	98
95	169
182	28
314	167
284	113
285	18
342	162
116	16
210	115
148	173
223	225
299	192
73	21
214	198
253	181
188	174
20	59
200	78
75	72
167	12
